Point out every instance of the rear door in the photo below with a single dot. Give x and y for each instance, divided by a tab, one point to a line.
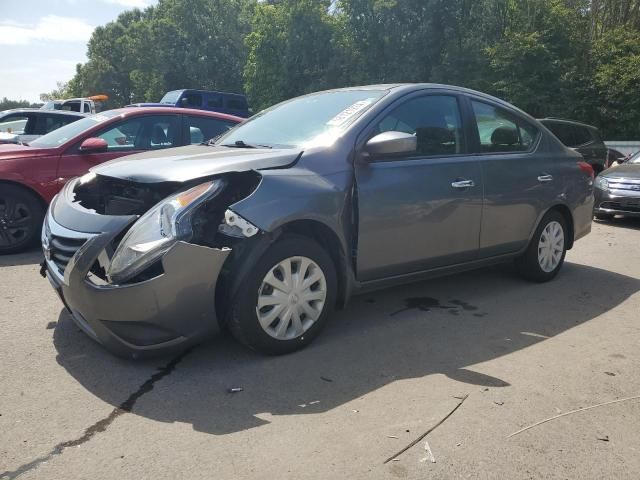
125	137
519	179
420	210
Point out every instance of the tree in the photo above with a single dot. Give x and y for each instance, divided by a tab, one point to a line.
617	82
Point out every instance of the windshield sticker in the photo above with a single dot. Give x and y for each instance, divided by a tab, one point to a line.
349	112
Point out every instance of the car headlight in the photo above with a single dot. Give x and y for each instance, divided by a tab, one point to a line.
602	183
158	230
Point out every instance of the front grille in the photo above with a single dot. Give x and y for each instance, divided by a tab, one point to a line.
626	185
62	249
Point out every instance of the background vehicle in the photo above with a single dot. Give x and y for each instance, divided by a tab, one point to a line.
583	138
81	105
223	102
615	157
25	124
31	175
303	204
617	191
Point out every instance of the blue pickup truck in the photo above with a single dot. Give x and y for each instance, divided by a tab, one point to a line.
223	102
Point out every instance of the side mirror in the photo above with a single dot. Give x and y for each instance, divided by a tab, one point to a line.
94	144
392	143
183	101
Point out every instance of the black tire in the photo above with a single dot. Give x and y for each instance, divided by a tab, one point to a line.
528	264
605	217
242	318
21	215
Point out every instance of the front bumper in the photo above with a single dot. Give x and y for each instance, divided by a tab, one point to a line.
610	203
161	315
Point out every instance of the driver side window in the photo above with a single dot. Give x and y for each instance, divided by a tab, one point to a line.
433	119
123	136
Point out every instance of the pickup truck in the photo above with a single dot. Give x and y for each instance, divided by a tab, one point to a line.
82	105
223	102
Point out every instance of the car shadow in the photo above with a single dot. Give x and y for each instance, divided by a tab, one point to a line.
632	223
29	257
442	326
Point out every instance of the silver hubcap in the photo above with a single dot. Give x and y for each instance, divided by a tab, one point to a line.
550	246
291	298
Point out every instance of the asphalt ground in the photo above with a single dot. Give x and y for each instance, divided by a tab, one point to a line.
386	370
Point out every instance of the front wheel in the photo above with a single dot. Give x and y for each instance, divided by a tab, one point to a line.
284	301
545	254
21	217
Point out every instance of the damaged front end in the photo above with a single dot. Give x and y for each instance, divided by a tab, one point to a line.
138	264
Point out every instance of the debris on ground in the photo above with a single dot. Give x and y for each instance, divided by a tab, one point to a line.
391	436
326	379
611	374
235	389
499	403
604	439
427	432
636	397
427	448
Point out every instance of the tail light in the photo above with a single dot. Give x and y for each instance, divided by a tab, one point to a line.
586	168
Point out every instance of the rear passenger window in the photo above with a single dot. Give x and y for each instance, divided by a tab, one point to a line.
563	131
433	119
192	100
581	135
203	129
500	131
236	104
214	101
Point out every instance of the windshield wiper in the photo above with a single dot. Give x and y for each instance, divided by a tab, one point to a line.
242	144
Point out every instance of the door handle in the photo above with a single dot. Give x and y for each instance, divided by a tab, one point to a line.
463	184
545	178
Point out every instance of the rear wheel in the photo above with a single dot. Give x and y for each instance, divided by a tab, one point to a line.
284	301
21	217
545	255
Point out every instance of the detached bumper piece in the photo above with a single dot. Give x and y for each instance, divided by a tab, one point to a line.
159	315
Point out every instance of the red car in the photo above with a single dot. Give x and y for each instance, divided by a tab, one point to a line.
30	176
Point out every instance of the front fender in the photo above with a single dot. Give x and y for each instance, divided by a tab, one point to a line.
284	196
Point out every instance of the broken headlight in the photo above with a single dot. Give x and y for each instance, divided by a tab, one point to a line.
157	230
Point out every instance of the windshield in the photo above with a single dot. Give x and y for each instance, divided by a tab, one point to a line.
312	120
171	97
635	158
63	134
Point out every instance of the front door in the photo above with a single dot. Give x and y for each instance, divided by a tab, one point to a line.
421	210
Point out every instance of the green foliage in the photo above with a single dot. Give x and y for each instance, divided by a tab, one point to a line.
617	81
6	104
572	58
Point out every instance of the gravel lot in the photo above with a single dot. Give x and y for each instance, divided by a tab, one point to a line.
385	370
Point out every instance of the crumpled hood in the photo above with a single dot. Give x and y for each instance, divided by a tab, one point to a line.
626	170
194	161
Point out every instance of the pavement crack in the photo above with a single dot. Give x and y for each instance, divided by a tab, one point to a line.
101	425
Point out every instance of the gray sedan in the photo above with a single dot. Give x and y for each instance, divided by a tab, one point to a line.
618	190
267	229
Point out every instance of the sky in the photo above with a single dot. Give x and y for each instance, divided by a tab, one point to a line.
41	41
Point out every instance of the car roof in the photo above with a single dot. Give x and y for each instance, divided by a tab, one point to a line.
566	120
128	112
231	94
401	88
42	112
